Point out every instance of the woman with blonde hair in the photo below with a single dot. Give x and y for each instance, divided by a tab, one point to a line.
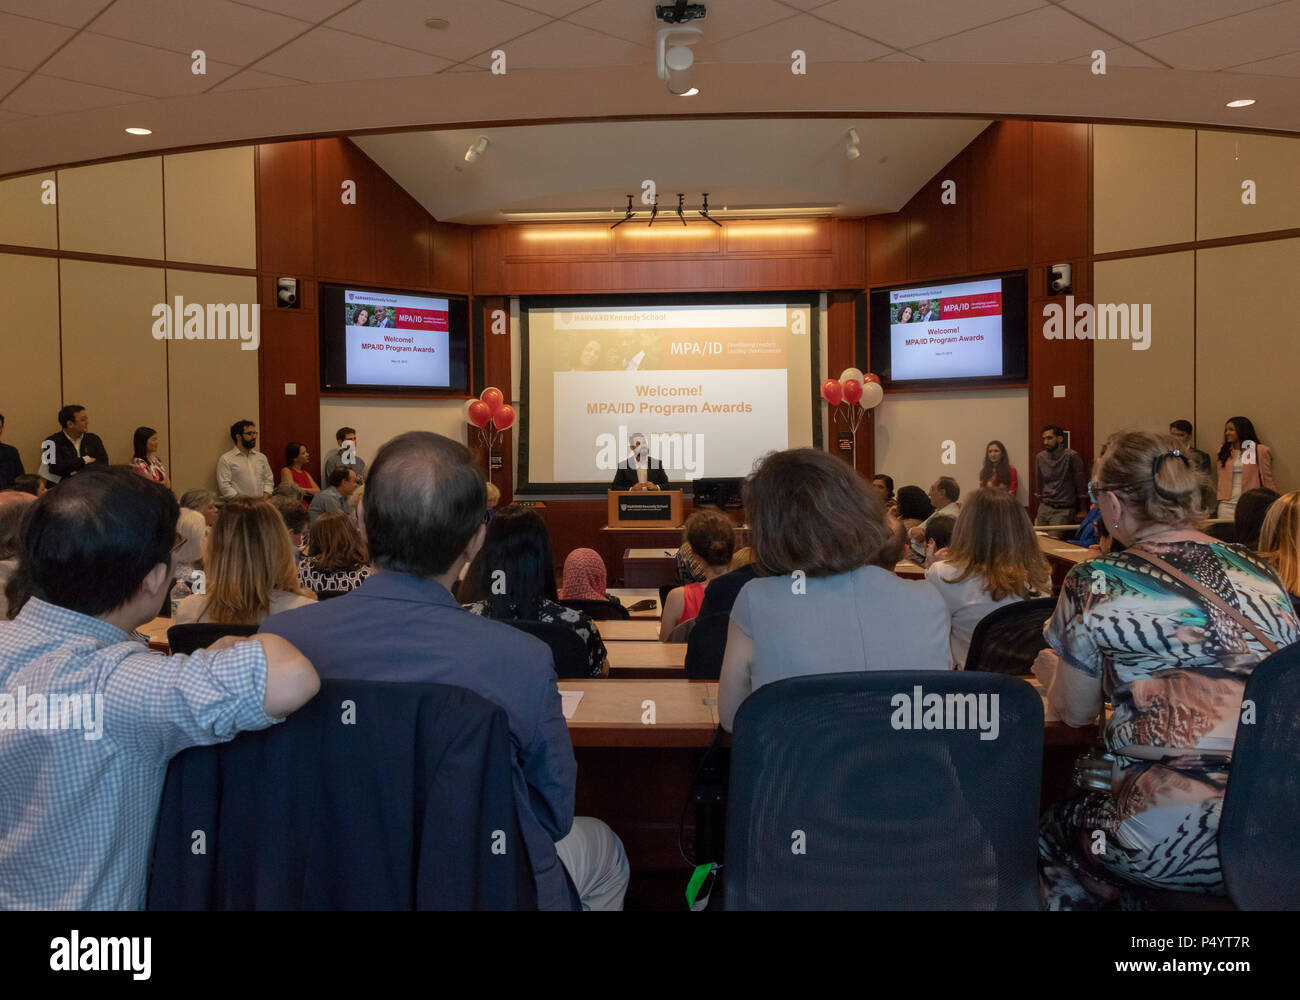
1279	542
992	560
1168	631
249	569
336	559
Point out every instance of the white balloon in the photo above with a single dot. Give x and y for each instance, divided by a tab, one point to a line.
872	395
851	373
464	411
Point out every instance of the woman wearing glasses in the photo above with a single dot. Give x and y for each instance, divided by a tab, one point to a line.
1167	631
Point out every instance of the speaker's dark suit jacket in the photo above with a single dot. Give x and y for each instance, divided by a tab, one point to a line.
66	460
625	477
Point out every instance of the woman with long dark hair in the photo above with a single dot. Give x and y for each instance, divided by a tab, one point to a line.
145	458
1244	464
295	471
997	470
513	576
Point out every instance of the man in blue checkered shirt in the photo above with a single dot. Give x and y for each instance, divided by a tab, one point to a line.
89	717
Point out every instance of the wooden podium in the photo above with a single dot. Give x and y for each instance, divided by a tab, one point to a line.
644	509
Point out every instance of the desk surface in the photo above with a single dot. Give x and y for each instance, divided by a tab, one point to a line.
641	659
630	595
663	553
156	632
614	713
642	629
1064	551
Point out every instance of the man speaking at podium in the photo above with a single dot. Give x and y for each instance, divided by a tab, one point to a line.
639	471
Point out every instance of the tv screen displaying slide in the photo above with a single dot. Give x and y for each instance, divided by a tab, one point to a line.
392	341
713	382
952	331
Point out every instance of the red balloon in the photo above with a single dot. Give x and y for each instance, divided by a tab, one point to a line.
852	391
870	377
504	417
478	413
832	392
493	398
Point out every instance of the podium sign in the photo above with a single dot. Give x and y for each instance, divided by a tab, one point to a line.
648	509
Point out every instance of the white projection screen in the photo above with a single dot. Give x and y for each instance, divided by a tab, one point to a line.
713	381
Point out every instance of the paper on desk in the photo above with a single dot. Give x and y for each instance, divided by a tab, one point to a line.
569	702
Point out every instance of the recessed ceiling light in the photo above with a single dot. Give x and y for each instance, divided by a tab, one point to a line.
437	23
1245	102
140	131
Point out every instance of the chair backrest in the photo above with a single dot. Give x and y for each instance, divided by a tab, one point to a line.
325	595
1259	849
600	611
840	798
706	646
1007	640
682	631
1226	532
568	651
201	635
373	796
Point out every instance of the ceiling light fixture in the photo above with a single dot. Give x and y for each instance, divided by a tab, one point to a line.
676	60
1244	102
852	145
140	131
629	215
437	24
476	150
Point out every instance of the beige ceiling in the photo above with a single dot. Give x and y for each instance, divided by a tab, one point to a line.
75	73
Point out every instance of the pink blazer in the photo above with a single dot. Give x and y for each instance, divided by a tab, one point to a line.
1258	473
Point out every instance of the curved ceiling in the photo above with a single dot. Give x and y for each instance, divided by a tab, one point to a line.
75	73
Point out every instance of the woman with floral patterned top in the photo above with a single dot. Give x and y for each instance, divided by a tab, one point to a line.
1167	631
513	576
336	559
145	459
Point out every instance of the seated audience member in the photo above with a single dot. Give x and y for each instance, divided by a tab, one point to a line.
11	463
1244	464
423	517
886	486
249	568
29	483
243	471
187	559
516	554
80	810
291	490
336	559
1249	517
913	506
295	520
813	515
742	557
296	457
13	505
203	501
354	501
943	497
73	446
712	537
1181	431
144	456
334	497
1168	632
1279	542
994	560
937	535
349	459
895	547
584	577
690	567
997	470
493	498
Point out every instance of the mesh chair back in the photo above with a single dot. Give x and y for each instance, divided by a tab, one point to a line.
568	651
833	805
705	647
1006	641
601	611
188	638
682	631
325	595
1258	846
1223	532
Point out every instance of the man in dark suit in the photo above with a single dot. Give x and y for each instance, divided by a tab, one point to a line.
639	468
1181	431
11	463
66	452
423	520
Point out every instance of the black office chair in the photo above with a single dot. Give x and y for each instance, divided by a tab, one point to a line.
1222	532
705	647
834	806
600	611
201	635
1007	640
325	595
1258	847
568	651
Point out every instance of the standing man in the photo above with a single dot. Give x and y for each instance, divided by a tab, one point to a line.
342	484
1062	480
1181	431
639	468
74	447
11	463
345	454
243	471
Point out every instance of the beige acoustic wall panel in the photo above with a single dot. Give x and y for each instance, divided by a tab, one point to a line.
213	383
1146	389
1144	187
113	208
29	352
912	429
29	215
112	365
211	212
1247	362
379	420
1225	161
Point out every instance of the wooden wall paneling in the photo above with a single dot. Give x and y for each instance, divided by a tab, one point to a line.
777	236
345	232
485	252
841	353
849	253
668	237
1067	363
1061	191
451	257
496	372
401	236
574	240
999	197
286	213
938	234
288	354
887	249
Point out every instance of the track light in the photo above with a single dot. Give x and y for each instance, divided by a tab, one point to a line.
676	60
852	145
476	150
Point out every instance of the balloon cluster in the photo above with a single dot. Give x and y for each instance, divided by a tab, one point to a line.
851	395
491	414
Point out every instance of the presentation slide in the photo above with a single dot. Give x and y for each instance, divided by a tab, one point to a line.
946	331
712	387
398	340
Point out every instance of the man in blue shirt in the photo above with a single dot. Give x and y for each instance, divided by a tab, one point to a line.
89	717
423	519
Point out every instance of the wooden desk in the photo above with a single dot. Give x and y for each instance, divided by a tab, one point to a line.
910	569
1063	557
652	568
631	595
612	542
156	632
611	713
638	629
646	660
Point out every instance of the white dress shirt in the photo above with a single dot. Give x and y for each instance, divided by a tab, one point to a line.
240	475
